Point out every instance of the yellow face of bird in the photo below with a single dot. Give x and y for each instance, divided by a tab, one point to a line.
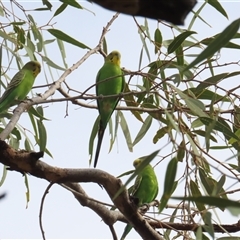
137	162
114	57
34	66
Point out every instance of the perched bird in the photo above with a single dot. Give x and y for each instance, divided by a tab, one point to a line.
109	81
20	85
145	188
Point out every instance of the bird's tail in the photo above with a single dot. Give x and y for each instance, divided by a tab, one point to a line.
127	229
100	138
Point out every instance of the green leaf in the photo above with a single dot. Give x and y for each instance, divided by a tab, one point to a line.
218	7
157	40
114	134
49	41
7	37
33	123
167	233
2	13
207	182
126	132
180	61
211	81
206	94
72	3
220	41
203	134
105	45
27	145
157	115
207	218
39	109
38	113
130	102
126	173
52	64
196	193
168	183
41	9
199	233
27	187
230	45
179	40
63	36
145	126
219	186
232	206
219	126
160	133
36	33
4	175
42	135
60	9
196	106
16	133
145	47
112	137
47	3
62	51
181	151
48	152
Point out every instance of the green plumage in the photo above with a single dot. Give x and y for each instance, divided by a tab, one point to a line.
145	188
109	81
20	85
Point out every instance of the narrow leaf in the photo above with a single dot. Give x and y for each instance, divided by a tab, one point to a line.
126	132
218	7
207	218
145	126
214	201
52	64
63	36
60	9
219	126
179	40
211	81
42	135
168	183
72	3
220	41
196	193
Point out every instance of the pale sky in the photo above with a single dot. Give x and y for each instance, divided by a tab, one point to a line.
68	137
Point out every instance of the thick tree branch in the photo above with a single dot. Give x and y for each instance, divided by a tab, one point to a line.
23	161
28	162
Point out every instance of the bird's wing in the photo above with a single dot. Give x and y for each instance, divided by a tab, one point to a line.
16	80
137	184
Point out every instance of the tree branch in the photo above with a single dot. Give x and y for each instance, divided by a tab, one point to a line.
23	161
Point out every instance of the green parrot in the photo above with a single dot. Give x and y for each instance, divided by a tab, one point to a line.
109	81
20	85
145	188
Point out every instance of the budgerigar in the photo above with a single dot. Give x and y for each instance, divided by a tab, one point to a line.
109	81
145	188
20	85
